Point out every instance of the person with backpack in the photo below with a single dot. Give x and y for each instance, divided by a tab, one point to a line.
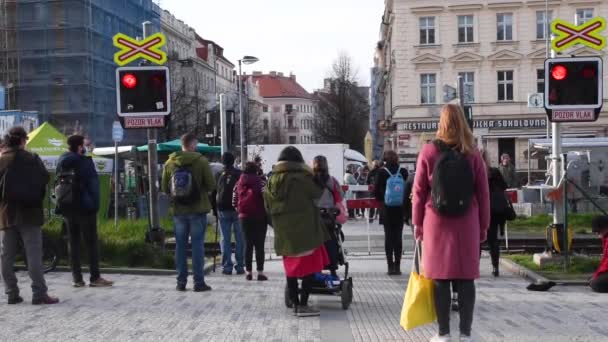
23	181
77	196
229	218
248	200
188	179
451	216
389	190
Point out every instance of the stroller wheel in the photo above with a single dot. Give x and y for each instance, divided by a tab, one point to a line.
346	294
288	302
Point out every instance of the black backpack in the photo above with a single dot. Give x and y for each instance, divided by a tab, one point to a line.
453	183
23	182
67	190
225	187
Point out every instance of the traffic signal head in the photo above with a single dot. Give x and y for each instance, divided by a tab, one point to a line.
573	83
143	91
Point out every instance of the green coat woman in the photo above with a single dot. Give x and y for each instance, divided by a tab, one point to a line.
299	235
290	200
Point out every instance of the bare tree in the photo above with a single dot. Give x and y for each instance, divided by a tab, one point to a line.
255	131
343	113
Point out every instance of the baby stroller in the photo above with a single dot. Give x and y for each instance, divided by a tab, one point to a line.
325	284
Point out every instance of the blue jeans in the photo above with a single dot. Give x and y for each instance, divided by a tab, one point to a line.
229	221
194	226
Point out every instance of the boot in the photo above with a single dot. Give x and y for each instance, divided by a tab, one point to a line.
391	268
397	268
495	272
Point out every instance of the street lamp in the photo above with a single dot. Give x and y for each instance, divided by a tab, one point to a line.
245	60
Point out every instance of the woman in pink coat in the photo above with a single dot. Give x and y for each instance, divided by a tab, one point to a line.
451	243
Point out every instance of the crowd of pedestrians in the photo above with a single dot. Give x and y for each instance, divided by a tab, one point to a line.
454	202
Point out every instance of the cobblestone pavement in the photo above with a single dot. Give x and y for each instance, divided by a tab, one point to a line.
147	308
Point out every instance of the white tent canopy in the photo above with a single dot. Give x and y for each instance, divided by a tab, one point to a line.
355	156
109	151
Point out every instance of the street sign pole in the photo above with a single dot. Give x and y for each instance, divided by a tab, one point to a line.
117	136
223	133
116	178
152	161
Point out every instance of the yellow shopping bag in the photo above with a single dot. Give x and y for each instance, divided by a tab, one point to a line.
419	303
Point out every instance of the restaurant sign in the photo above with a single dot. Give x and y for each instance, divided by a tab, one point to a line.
498	124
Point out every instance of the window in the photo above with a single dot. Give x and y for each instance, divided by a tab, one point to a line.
465	28
540	80
505	85
288	108
292	140
265	109
583	15
543	20
427	30
428	85
290	123
469	86
504	26
265	124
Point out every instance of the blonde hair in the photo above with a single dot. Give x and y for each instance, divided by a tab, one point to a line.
454	130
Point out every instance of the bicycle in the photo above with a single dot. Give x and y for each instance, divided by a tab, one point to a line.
50	258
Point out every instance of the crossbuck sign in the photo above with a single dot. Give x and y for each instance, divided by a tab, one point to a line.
586	34
132	49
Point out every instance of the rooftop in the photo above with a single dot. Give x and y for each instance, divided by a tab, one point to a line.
277	85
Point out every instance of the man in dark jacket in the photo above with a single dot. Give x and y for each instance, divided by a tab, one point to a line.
82	218
22	221
371	180
229	219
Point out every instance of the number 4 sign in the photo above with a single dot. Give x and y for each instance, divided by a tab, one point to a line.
586	34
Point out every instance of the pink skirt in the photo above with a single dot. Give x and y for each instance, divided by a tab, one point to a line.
299	267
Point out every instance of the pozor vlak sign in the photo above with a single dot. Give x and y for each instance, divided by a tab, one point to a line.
573	89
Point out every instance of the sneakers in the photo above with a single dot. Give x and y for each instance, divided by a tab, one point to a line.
495	272
444	338
262	277
226	272
249	277
240	272
306	311
181	287
15	299
79	283
45	300
100	282
202	288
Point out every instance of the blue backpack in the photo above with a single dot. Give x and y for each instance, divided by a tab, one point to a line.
395	189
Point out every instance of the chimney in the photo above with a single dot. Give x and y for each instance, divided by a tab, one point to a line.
280	74
293	77
257	73
273	73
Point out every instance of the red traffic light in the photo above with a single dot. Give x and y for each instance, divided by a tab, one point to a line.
559	72
129	81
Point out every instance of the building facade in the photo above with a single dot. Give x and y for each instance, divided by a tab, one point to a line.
498	48
57	58
288	109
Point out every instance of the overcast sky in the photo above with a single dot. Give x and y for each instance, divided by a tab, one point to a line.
303	37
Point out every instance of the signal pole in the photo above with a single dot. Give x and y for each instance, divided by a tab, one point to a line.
152	161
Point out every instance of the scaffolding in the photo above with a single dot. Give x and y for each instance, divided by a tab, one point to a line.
58	55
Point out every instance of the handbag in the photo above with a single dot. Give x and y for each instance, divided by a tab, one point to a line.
419	303
510	213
